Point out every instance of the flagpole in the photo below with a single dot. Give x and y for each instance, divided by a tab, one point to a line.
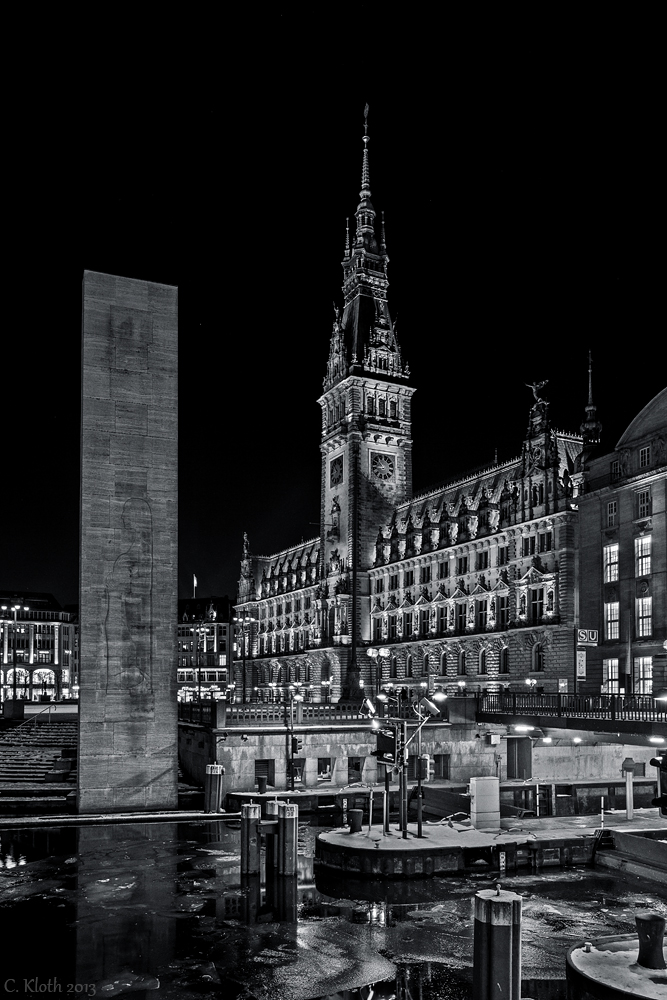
194	587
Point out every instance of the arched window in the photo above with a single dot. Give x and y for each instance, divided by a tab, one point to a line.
462	663
392	668
408	665
504	662
443	664
481	663
425	664
538	656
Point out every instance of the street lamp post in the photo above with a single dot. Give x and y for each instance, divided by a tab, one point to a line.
377	656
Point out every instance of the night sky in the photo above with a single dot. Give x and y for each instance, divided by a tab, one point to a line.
521	231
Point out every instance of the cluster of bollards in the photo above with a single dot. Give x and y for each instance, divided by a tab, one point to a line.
281	829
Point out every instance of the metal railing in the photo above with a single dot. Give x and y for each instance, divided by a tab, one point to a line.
614	708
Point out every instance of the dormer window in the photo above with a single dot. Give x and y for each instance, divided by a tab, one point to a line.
645	457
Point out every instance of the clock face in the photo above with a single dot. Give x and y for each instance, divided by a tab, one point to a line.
382	467
336	471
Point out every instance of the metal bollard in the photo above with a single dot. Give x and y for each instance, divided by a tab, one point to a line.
272	838
497	945
250	839
651	930
288	837
213	787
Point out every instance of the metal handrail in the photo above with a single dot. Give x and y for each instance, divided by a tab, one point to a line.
35	717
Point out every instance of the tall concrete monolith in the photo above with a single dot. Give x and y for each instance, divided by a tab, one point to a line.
128	759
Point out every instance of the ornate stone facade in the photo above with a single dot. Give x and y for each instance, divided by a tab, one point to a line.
473	582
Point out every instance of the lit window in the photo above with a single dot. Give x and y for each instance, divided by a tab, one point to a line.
610	553
612	513
644	503
611	620
610	676
643	556
643	675
644	616
645	457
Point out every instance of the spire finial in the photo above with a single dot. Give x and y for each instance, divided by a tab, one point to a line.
590	379
383	239
365	176
347	237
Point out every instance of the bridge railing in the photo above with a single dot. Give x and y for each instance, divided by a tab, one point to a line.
219	714
625	708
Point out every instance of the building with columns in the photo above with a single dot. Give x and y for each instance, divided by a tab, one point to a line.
471	587
38	640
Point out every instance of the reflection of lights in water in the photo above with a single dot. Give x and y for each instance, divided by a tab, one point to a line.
9	861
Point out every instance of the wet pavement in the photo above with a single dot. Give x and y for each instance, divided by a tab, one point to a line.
161	909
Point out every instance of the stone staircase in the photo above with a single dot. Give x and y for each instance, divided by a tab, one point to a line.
38	768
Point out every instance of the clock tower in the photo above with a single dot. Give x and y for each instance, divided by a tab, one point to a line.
366	428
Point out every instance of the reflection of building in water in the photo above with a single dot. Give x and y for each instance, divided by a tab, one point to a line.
205	638
46	642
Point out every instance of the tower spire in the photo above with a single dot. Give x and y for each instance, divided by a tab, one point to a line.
365	175
591	427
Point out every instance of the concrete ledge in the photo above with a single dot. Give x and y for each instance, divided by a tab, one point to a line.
89	819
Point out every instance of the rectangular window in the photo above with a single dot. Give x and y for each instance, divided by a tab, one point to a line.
443	570
462	566
643	556
528	546
379	585
537	603
610	562
408	578
503	555
407	624
482	613
610	676
425	574
545	541
306	603
503	611
424	622
644	617
377	629
645	457
391	634
642	675
612	513
393	581
442	618
441	765
482	560
615	470
644	503
324	768
461	617
611	620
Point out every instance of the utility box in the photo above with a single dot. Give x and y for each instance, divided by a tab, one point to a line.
493	739
485	803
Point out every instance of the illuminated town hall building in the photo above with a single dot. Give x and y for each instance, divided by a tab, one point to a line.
470	587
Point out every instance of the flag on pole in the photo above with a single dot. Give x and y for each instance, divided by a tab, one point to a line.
194	585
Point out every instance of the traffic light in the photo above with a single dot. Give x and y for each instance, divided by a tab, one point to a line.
386	745
297	744
661	801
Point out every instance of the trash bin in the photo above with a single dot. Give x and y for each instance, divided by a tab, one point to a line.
355	817
261	784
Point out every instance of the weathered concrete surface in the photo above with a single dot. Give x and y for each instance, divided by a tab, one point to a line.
129	546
